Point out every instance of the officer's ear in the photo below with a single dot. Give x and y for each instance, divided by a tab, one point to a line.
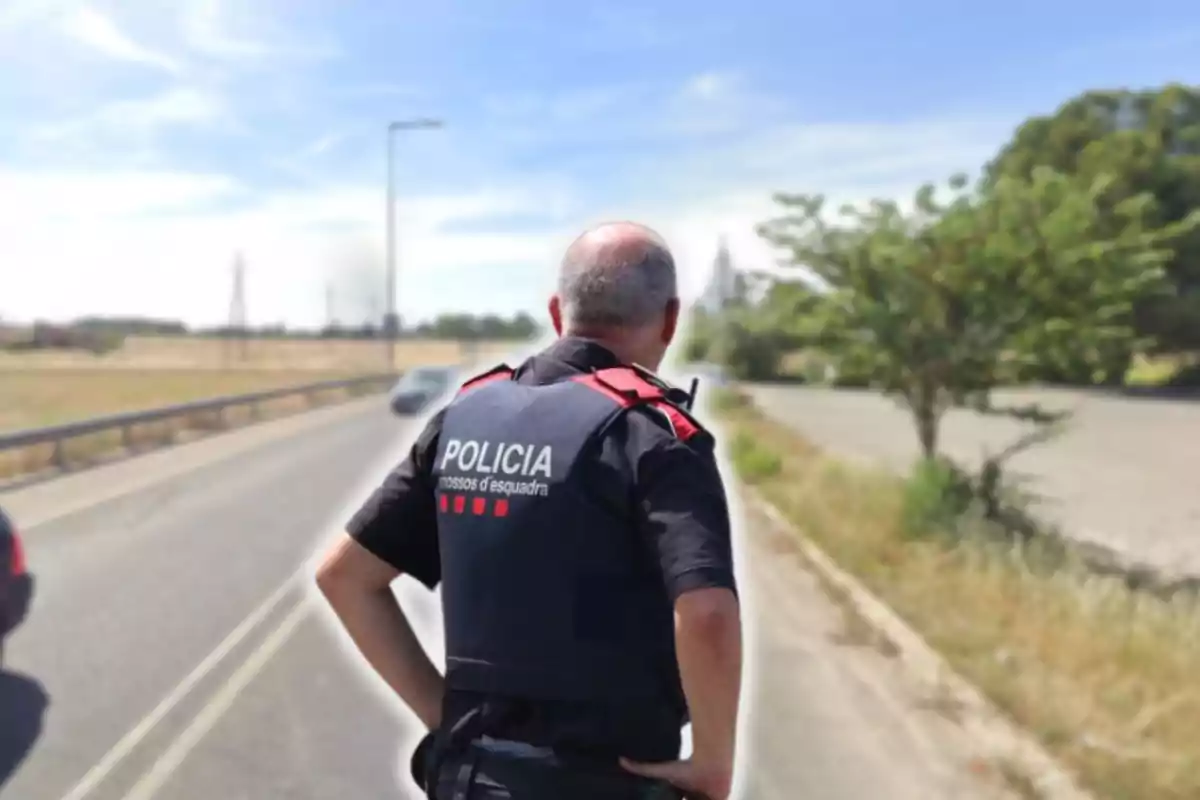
556	314
670	320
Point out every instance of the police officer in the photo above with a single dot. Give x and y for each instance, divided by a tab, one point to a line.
573	514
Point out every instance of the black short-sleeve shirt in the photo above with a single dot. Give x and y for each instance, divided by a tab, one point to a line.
678	484
678	487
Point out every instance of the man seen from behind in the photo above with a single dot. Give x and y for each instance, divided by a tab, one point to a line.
574	516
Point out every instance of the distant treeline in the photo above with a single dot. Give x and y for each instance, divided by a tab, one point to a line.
103	334
459	327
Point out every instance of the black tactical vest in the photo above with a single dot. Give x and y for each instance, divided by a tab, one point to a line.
547	590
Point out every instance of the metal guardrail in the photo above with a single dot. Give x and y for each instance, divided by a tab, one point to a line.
125	422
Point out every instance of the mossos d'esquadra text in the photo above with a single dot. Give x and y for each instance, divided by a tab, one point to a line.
503	468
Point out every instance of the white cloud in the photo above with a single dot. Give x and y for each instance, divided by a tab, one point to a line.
88	26
612	27
713	85
719	102
136	122
176	106
380	89
48	199
161	242
106	243
538	111
244	31
322	144
16	14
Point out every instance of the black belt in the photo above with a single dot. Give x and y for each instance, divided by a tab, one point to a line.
439	746
475	735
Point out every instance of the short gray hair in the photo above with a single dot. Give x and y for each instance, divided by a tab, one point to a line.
624	289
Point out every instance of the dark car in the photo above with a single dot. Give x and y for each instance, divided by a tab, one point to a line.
16	584
419	388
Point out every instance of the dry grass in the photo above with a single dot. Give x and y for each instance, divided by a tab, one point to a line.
48	387
32	398
1107	678
1145	370
44	387
193	353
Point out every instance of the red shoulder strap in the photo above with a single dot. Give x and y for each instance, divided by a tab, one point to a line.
629	388
681	422
498	372
622	384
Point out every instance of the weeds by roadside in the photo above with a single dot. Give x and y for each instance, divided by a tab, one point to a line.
1104	675
21	463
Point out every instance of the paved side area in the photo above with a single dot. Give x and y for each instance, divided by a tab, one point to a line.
1126	475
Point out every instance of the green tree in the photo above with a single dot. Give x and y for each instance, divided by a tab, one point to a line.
790	306
750	346
751	338
942	303
700	334
1147	141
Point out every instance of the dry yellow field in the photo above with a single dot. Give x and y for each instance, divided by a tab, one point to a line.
47	387
154	352
32	398
60	392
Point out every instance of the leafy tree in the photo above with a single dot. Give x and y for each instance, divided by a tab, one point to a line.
942	303
789	306
1147	141
751	338
750	346
700	335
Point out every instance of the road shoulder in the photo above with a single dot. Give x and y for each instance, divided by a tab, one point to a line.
974	737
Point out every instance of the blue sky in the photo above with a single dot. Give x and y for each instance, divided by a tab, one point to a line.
147	141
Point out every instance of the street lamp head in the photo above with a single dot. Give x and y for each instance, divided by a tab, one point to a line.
411	124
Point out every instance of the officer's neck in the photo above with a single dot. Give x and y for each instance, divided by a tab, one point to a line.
627	349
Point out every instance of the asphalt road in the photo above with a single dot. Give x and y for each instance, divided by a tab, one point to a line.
174	649
1124	476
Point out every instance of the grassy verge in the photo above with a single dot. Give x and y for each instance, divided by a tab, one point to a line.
1107	678
194	353
35	397
39	397
1145	372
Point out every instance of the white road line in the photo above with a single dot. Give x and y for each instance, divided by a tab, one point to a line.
121	750
162	769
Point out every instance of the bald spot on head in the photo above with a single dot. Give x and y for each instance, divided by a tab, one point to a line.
616	275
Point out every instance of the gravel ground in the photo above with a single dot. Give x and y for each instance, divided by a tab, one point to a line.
1125	476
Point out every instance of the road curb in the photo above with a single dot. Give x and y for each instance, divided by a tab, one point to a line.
989	728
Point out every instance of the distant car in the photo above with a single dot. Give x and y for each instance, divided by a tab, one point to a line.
16	584
421	387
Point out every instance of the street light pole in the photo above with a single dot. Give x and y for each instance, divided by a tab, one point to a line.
391	320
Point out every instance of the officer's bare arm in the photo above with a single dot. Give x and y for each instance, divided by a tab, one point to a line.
708	642
687	518
357	585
